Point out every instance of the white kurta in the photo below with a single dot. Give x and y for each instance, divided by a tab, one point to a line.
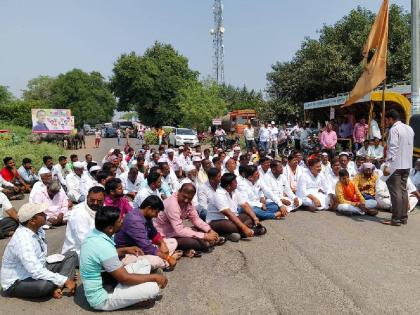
316	186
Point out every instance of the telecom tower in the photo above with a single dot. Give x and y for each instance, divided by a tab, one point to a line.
218	46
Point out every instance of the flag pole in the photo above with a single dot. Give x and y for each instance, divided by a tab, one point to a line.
383	109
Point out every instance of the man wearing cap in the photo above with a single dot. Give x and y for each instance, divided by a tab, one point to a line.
56	200
8	217
74	183
366	181
46	177
82	219
25	271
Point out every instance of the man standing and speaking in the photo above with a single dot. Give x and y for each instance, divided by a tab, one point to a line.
399	159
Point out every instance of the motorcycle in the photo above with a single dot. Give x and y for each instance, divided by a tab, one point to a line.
286	146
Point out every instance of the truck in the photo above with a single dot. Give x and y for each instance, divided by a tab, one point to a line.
235	121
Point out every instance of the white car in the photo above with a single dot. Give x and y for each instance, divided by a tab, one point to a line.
182	136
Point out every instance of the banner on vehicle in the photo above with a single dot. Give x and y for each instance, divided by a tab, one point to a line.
52	120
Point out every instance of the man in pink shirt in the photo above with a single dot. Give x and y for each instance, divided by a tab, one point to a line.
360	133
56	199
169	223
329	140
115	196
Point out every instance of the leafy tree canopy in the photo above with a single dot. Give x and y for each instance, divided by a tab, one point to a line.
199	103
332	64
151	84
39	89
86	94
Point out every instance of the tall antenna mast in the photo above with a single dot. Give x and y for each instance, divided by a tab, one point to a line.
218	46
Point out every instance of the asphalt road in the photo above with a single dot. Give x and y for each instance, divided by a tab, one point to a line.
310	263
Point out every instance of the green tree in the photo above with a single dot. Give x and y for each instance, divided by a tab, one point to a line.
241	98
199	103
39	89
151	84
18	112
86	94
5	95
332	64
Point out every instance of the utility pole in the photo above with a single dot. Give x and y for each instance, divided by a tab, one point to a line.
415	56
219	49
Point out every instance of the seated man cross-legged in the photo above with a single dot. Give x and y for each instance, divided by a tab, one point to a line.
350	200
169	223
138	230
25	271
223	216
98	253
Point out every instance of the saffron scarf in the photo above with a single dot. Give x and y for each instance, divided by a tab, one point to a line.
350	192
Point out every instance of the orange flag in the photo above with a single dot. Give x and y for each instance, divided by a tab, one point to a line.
375	70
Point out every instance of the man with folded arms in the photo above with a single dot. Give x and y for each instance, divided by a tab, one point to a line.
25	272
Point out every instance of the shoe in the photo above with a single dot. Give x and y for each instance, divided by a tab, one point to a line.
403	221
259	230
220	241
371	212
390	222
234	237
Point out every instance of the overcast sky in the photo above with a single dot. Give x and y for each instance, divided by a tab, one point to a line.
49	37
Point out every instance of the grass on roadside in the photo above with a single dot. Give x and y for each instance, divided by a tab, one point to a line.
16	144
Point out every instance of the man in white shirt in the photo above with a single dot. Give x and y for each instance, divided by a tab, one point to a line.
74	183
27	172
169	179
313	187
293	171
184	159
278	183
223	216
249	135
325	163
206	191
257	193
364	150
274	132
376	152
264	168
264	136
375	131
345	164
399	157
82	219
154	182
25	272
61	170
131	181
8	217
48	166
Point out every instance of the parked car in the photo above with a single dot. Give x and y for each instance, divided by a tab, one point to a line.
109	132
182	136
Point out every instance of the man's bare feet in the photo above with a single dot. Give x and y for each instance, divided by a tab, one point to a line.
57	294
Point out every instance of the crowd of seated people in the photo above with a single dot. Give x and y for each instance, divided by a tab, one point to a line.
134	215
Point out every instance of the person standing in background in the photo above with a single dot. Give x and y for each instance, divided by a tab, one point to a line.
360	133
249	135
118	136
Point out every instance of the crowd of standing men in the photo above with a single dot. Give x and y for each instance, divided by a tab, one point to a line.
126	215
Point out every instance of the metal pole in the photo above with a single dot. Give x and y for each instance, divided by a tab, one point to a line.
415	56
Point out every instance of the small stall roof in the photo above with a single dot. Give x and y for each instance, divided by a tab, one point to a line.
341	99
